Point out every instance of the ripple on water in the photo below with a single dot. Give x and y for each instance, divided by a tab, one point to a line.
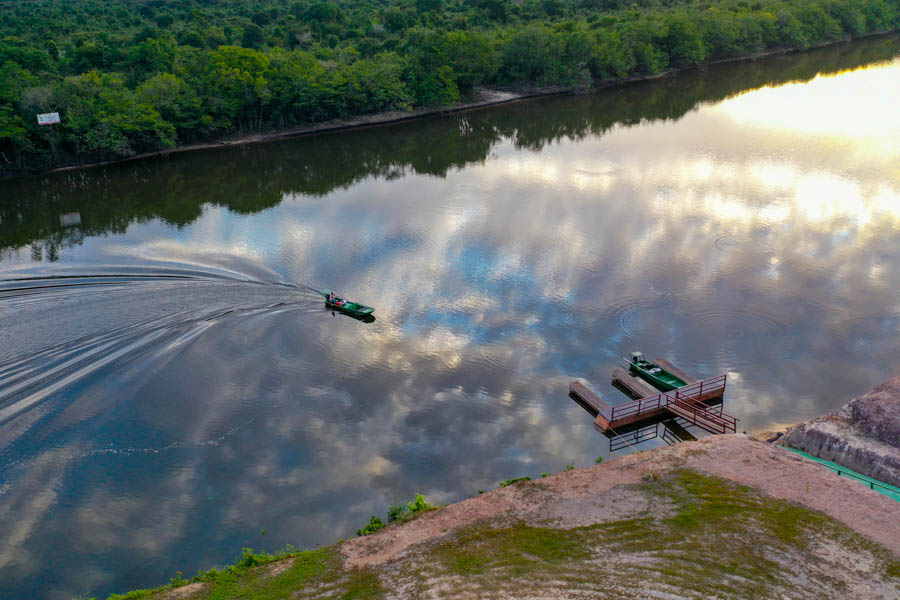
759	237
631	316
517	353
730	339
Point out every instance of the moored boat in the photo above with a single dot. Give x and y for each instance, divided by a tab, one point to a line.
351	308
653	373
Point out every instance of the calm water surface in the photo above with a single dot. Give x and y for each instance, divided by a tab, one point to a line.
170	384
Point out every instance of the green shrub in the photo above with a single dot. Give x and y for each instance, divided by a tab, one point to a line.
374	525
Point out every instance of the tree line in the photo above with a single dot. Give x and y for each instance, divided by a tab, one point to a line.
141	75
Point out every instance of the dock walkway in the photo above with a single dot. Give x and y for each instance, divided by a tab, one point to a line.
688	402
588	397
697	403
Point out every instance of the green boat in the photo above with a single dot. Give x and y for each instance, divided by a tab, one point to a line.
351	308
653	373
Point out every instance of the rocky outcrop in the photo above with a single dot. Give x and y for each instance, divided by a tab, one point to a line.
863	435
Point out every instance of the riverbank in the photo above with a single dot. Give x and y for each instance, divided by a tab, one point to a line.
863	435
727	516
484	97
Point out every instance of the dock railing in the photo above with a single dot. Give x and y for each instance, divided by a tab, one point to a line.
684	402
700	414
636	407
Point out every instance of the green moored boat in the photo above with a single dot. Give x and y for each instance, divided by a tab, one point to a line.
653	373
351	308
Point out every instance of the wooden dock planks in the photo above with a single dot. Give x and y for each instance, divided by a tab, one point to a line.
633	386
675	371
586	395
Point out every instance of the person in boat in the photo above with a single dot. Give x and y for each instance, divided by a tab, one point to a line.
330	296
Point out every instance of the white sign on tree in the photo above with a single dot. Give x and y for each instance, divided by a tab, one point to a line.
48	118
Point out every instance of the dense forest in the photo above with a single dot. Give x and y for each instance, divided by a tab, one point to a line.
131	76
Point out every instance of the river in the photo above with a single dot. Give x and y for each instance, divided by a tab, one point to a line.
172	388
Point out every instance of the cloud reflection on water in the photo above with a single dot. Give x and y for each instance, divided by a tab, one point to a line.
717	242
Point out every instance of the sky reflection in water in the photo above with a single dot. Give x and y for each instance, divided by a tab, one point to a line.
506	251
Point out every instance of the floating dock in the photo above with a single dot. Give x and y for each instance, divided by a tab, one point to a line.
587	398
697	403
631	386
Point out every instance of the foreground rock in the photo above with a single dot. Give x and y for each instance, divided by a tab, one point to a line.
863	435
725	517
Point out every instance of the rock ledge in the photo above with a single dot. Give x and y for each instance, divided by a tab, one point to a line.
863	435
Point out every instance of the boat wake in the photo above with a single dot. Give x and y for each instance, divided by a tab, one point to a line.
60	330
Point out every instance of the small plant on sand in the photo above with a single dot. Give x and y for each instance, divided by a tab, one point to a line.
402	512
599	460
374	525
514	480
419	504
569	467
396	512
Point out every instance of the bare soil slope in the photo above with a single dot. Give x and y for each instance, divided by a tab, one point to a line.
725	517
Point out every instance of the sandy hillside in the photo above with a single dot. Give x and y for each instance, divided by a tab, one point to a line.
725	517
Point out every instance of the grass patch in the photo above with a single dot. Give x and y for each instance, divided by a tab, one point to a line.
362	585
251	578
257	583
893	569
135	595
514	480
710	503
520	550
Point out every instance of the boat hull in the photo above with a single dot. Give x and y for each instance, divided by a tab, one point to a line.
656	376
357	310
354	309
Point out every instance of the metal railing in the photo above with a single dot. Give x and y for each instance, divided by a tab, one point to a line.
684	402
700	414
636	407
695	390
687	392
872	484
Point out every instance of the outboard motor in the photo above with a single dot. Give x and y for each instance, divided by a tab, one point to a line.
636	358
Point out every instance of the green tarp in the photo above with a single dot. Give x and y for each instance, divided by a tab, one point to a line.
879	486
